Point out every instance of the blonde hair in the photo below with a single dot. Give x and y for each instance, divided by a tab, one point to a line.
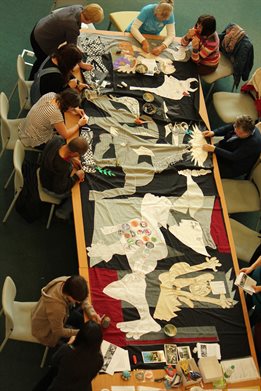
93	12
171	2
164	9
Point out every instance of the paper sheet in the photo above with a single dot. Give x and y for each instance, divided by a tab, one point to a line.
208	350
245	369
115	358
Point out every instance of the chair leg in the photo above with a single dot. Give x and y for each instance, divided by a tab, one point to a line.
3	344
11	207
9	179
13	91
44	356
50	216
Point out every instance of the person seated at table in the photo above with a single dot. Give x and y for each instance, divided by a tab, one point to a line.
151	20
51	314
205	44
62	25
55	73
45	118
60	169
75	364
254	271
240	148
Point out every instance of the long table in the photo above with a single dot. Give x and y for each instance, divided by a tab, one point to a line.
104	381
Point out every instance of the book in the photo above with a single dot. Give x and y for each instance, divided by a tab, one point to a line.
245	369
245	282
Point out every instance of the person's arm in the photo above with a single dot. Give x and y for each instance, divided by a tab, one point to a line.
63	351
185	40
68	132
138	36
200	51
167	41
56	316
249	269
90	312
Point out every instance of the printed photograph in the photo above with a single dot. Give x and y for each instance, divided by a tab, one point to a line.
184	352
154	356
171	354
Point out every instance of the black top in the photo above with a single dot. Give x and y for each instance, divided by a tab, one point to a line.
55	172
76	369
236	156
52	82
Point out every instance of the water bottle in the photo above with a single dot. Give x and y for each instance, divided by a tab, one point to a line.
228	372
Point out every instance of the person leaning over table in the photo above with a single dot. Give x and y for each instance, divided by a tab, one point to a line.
45	118
205	44
55	310
62	25
75	364
240	148
64	60
60	169
151	20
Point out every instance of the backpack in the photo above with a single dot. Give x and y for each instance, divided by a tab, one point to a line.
35	93
28	203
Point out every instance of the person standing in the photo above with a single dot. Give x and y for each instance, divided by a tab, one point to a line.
151	20
240	148
62	25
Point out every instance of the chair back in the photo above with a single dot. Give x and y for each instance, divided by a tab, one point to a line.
255	177
18	158
5	129
8	297
23	85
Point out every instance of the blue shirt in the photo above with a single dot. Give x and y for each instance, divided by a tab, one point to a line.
150	24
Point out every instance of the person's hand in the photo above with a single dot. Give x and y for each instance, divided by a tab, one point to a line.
158	49
82	121
92	314
257	288
191	33
80	174
79	111
246	270
71	340
76	162
208	133
145	46
73	83
195	42
208	148
86	67
81	86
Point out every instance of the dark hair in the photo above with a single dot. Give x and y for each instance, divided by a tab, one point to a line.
76	287
67	56
89	336
68	98
246	123
208	23
78	144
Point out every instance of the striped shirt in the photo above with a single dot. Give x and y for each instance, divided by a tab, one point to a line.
38	127
208	53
